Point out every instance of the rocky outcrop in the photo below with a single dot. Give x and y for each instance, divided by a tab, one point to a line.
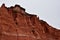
16	24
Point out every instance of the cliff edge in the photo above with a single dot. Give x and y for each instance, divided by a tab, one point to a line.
16	24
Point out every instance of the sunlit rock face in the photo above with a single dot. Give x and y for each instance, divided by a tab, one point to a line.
16	24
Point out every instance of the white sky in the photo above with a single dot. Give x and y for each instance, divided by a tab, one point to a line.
48	10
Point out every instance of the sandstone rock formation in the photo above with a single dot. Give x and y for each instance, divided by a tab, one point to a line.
16	24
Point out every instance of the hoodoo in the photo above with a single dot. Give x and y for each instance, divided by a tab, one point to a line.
16	24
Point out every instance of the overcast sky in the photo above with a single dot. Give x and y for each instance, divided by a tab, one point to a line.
48	10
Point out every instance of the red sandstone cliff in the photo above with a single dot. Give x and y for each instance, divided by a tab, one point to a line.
16	24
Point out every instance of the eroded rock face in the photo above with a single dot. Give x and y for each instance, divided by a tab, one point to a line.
16	24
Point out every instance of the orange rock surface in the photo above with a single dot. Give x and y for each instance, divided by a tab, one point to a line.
16	24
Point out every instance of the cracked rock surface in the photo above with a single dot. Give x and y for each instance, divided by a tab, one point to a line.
16	24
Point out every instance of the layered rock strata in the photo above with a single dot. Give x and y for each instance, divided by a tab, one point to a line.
16	24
